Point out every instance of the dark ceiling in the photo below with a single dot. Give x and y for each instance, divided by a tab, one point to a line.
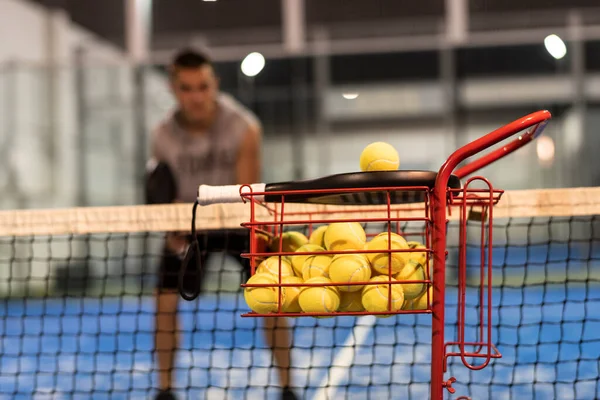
283	78
527	5
172	17
192	15
176	17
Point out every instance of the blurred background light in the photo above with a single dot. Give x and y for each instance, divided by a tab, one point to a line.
555	46
545	148
253	64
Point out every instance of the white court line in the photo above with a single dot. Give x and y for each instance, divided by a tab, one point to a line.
342	362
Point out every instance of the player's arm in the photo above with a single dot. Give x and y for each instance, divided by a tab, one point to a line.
248	165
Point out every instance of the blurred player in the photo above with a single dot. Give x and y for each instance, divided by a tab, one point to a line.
210	139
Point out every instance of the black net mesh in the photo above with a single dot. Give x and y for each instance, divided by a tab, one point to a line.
77	320
546	314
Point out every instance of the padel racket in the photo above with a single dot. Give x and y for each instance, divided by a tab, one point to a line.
336	189
403	187
160	184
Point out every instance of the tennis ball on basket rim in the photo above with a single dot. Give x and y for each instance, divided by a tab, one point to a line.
341	236
290	242
319	299
271	266
350	268
298	261
412	271
379	156
375	297
291	294
316	237
263	300
380	262
315	266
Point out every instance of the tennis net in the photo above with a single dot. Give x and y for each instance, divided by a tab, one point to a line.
77	311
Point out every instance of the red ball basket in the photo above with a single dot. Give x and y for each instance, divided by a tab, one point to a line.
413	204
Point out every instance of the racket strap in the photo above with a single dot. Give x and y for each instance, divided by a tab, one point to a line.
191	292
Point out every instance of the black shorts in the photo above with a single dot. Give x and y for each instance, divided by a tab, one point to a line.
234	242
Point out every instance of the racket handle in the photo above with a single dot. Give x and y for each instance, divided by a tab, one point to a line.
208	194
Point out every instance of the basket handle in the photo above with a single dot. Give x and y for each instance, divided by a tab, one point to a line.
535	123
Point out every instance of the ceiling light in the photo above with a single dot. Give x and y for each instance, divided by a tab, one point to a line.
555	46
253	64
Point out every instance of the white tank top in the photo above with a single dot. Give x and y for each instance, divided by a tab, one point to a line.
209	158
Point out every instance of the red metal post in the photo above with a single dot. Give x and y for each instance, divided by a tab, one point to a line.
438	206
440	198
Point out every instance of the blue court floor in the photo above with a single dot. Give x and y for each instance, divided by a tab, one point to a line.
66	349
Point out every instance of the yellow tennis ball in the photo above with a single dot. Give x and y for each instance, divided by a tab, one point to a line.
291	241
298	261
420	258
379	156
350	268
344	236
291	294
316	266
420	303
380	262
316	237
411	271
271	266
351	301
394	237
319	298
375	297
263	300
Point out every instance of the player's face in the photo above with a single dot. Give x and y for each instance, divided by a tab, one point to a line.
195	90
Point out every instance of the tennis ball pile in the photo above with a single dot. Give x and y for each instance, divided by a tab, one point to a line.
340	268
343	268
